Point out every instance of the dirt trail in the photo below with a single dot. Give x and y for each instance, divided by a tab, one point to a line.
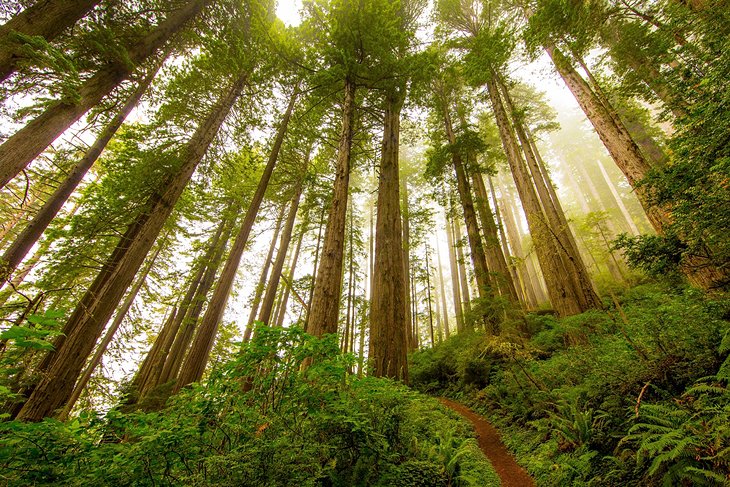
512	475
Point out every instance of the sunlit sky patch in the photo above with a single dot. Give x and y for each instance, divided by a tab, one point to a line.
288	11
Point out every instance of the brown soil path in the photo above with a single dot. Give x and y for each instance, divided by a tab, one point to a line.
509	471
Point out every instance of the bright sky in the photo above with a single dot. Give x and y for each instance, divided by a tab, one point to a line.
288	11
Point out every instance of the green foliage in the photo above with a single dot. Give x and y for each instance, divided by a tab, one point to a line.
261	419
565	397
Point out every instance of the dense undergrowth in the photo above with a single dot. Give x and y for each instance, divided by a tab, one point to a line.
260	420
636	395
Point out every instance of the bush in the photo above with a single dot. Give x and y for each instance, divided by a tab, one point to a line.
260	420
566	396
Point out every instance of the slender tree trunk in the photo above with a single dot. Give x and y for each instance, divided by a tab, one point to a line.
478	257
25	145
192	369
45	18
278	267
405	214
324	310
619	201
613	134
557	223
166	353
22	244
521	270
108	336
389	329
315	266
458	310
562	294
428	296
289	281
516	279
494	254
442	292
168	367
88	319
349	308
258	293
414	312
463	276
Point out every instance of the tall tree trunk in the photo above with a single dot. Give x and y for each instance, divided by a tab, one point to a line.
516	280
453	266
108	336
315	266
613	134
389	329
529	286
26	144
557	223
428	297
414	313
349	321
166	353
442	292
324	310
562	294
22	244
652	152
463	276
258	293
406	226
93	311
45	18
619	201
289	281
478	257
495	257
197	359
268	301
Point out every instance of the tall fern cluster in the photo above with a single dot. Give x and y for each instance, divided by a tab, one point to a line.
636	395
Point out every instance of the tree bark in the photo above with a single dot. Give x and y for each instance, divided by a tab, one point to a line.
315	266
45	18
192	369
258	293
108	336
495	257
562	294
613	134
26	144
324	310
428	297
171	341
279	321
93	311
442	292
268	301
463	276
22	244
478	257
389	329
619	201
528	286
405	215
458	310
557	223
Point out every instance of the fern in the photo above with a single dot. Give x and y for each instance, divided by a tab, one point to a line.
687	441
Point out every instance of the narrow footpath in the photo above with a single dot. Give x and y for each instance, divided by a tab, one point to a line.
511	474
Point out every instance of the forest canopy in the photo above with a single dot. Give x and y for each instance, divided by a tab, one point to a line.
230	244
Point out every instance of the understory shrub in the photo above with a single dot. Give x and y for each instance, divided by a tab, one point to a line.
261	420
632	395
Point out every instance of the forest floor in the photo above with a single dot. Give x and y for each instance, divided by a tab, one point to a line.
511	474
